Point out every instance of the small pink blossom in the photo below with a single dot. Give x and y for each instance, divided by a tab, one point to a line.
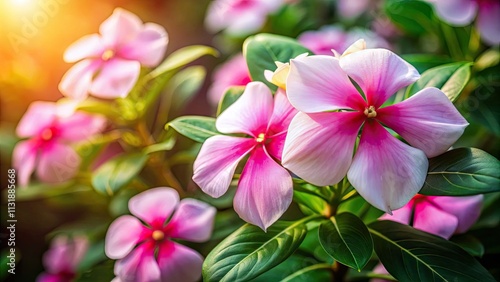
265	188
62	259
352	9
51	128
234	72
110	62
146	252
321	138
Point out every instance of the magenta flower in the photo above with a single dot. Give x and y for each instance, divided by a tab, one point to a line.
234	72
351	9
265	188
62	259
463	12
51	128
385	171
146	252
110	62
439	215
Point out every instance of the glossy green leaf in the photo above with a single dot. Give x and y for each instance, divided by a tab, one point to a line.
412	255
297	268
469	243
263	50
310	204
414	17
197	128
450	78
423	62
118	172
462	172
230	96
346	238
101	272
36	191
184	85
250	251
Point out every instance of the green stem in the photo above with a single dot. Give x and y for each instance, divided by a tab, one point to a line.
452	42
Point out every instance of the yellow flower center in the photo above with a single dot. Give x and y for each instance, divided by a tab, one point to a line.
47	134
158	235
370	112
260	138
107	55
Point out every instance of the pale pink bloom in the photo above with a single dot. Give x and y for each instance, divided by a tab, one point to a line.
265	188
439	215
62	259
353	8
51	130
234	72
321	138
463	12
146	252
110	62
239	17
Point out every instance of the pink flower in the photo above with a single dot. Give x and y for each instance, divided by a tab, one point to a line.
62	259
439	215
321	139
110	62
234	72
352	9
51	128
265	188
146	252
239	17
462	12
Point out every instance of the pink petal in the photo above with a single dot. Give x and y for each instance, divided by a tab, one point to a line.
155	205
179	263
466	209
317	84
24	161
215	165
456	12
487	22
48	277
116	79
122	236
38	116
57	258
89	46
58	163
121	27
402	215
386	172
264	191
80	126
276	145
351	9
148	47
234	72
433	220
139	265
283	113
379	72
250	114
427	120
192	221
319	147
322	41
78	79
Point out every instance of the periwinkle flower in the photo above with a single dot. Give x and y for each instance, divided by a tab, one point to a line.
234	72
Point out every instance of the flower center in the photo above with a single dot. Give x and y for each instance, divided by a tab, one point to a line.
158	235
260	138
108	55
370	112
47	134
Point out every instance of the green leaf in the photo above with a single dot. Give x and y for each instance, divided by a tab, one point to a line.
185	85
102	272
414	17
423	62
450	78
263	50
469	243
36	191
197	128
297	268
412	255
249	251
230	96
310	204
346	238
118	172
462	172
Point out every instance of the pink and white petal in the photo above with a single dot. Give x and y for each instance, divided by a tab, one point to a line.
58	163
139	265
250	114
116	79
121	27
56	258
245	23
265	190
456	12
38	116
192	221
276	144
379	72
77	81
318	84
24	160
123	235
402	215
89	46
433	220
179	263
352	9
81	126
319	147
427	120
283	113
386	172
79	247
148	47
217	160
154	206
487	22
466	209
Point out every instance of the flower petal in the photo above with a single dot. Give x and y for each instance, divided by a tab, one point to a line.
283	113
89	46
317	84
116	79
402	215
215	165
78	79
250	114
155	205
319	147
121	27
264	191
192	221
351	9
148	47
379	72
39	116
433	220
81	126
139	265
487	22
24	161
58	163
466	209
179	263
427	120
456	12
122	236
386	172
